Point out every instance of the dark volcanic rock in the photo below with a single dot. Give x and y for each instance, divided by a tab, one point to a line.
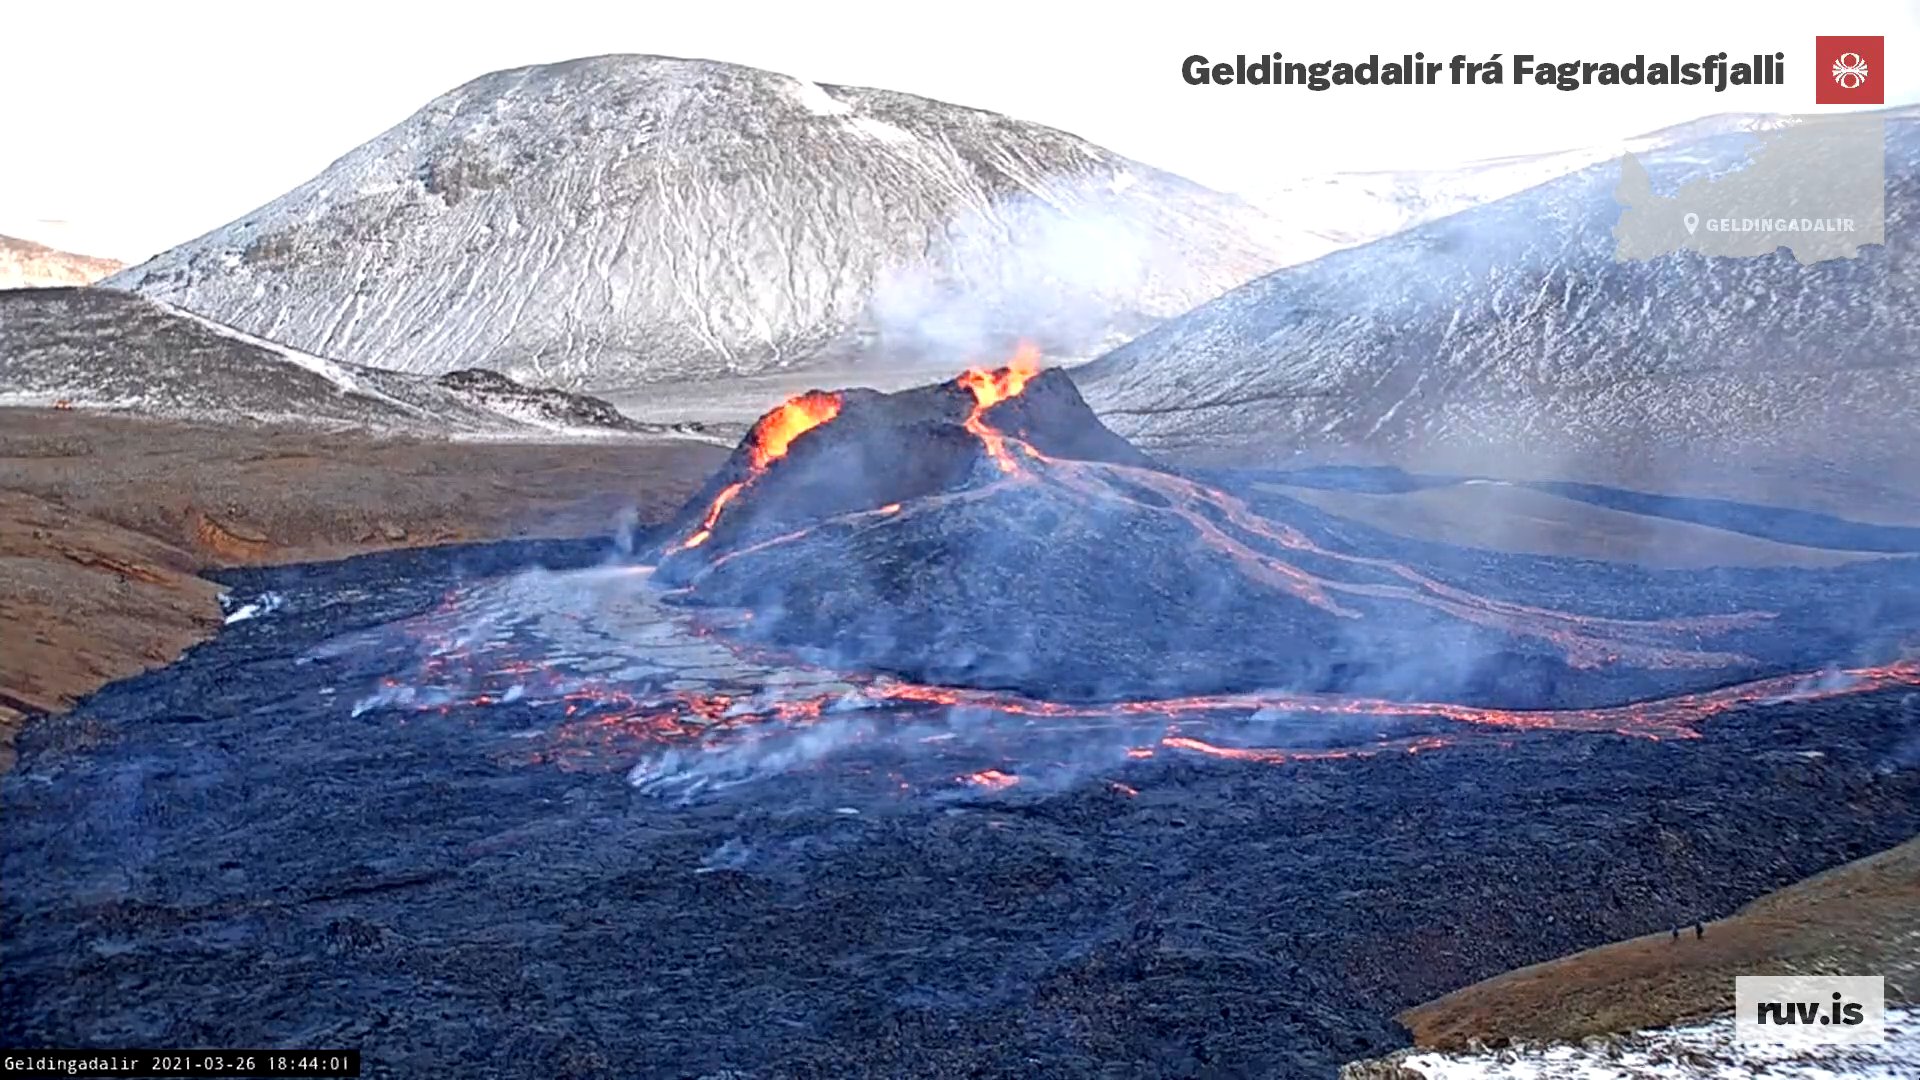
539	403
1029	548
879	449
218	854
100	348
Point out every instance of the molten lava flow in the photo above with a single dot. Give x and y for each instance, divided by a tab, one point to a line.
1255	543
777	430
755	696
990	388
713	514
993	779
1285	757
766	444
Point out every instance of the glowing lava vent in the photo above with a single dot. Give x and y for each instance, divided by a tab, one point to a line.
821	456
990	388
766	444
990	532
776	431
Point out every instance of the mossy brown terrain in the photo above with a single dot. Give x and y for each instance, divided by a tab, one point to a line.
106	521
1862	917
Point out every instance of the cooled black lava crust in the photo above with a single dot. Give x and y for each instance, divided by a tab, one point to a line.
889	537
216	855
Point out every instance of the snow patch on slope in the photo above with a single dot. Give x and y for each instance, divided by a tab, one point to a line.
880	129
330	370
102	349
265	604
818	100
1679	1053
1508	339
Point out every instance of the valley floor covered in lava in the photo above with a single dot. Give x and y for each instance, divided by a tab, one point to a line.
476	819
989	534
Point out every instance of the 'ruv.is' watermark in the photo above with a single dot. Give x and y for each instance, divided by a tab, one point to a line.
1824	1010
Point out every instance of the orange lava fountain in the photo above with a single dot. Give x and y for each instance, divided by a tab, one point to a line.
797	416
766	444
991	388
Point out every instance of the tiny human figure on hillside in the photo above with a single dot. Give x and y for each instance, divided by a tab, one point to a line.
1676	933
1699	930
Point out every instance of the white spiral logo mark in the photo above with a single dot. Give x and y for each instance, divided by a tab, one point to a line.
1850	71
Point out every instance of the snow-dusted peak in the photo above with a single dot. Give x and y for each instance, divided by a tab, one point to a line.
27	265
1510	340
621	219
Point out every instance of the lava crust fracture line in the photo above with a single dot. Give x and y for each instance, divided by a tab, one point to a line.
598	712
1585	641
599	716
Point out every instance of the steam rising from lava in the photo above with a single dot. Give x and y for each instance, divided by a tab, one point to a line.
609	664
597	673
1109	514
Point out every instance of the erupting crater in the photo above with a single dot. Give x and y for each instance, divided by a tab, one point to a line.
990	533
977	583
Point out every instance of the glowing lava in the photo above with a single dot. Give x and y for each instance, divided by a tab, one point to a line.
740	696
990	388
992	779
777	430
713	514
766	444
744	698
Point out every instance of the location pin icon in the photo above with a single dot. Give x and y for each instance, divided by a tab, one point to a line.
1691	220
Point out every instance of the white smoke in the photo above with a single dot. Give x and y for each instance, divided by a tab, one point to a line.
1064	269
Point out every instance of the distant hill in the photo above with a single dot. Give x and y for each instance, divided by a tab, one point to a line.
623	219
101	348
1506	340
27	265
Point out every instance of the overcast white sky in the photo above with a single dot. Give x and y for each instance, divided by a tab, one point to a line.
129	127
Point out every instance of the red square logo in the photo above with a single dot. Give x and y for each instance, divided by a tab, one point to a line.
1848	71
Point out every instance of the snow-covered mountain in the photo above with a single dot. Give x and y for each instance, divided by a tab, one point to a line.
1508	338
101	348
27	265
621	219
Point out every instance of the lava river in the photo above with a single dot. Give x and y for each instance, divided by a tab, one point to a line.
611	674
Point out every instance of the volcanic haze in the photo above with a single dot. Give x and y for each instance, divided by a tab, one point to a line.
978	533
1508	339
620	220
27	265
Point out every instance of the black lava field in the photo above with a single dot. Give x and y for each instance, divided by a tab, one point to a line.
941	735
